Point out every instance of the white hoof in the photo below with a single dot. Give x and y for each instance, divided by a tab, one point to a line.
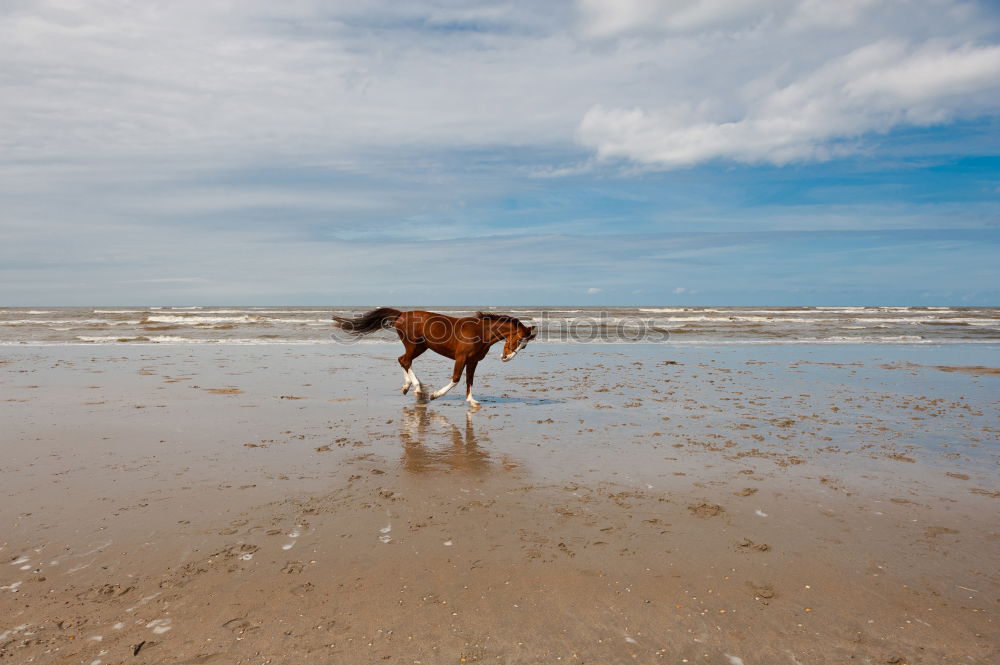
473	404
405	389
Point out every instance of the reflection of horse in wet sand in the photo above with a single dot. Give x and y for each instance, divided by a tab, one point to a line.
465	339
422	426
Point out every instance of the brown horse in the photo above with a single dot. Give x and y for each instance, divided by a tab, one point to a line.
466	340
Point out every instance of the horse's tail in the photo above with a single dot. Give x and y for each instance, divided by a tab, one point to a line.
368	322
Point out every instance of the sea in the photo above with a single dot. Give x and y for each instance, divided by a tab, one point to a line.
234	325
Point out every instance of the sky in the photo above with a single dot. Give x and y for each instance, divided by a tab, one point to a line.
596	152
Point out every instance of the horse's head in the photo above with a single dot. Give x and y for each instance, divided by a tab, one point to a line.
516	335
516	340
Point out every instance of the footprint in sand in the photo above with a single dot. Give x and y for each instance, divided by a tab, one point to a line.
762	592
293	568
747	545
238	625
706	509
302	589
243	551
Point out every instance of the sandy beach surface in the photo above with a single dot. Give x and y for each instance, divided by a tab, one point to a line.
729	505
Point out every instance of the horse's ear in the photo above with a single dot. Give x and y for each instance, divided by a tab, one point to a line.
531	329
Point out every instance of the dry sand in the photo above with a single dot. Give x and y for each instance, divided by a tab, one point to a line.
633	504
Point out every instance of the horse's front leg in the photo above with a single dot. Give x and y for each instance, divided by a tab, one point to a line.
455	376
405	361
407	382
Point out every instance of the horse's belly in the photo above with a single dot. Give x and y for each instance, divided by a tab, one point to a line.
442	349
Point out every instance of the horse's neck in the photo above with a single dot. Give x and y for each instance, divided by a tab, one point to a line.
496	331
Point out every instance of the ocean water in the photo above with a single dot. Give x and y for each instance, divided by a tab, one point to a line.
567	324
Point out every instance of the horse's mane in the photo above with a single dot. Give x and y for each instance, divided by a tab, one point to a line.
500	318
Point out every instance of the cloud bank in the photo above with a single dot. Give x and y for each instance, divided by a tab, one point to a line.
662	83
790	105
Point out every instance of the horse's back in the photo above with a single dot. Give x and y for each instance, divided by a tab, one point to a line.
422	317
439	332
416	322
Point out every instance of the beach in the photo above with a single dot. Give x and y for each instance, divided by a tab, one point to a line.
609	503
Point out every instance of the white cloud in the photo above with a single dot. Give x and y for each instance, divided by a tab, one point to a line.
244	82
613	18
608	19
824	14
871	89
679	290
931	74
593	291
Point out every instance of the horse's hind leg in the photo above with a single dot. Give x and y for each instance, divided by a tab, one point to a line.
406	362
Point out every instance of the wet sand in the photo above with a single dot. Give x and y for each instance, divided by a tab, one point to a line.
608	504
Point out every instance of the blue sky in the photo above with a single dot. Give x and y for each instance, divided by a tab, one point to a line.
592	152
